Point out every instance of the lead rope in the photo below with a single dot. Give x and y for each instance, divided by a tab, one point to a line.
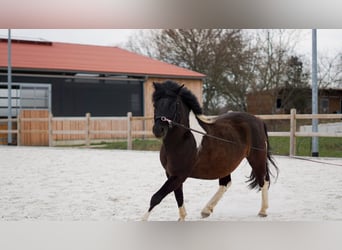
315	161
170	122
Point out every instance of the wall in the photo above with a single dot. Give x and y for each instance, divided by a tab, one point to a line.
260	103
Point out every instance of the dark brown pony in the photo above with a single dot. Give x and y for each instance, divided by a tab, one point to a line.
230	138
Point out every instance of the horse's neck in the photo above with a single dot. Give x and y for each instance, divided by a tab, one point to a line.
176	134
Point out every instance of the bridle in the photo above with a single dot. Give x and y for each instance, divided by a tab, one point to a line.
164	119
170	122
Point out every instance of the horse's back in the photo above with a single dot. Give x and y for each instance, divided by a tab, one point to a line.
239	121
238	132
248	126
236	117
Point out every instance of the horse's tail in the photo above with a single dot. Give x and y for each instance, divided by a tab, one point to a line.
270	159
252	179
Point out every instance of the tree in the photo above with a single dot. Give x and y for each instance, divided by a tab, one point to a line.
276	66
330	71
198	50
221	54
296	88
339	71
296	75
235	62
238	78
141	42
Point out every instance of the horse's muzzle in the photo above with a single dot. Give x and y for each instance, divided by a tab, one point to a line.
159	130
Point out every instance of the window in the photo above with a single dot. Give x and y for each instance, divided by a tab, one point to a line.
324	105
24	96
15	102
279	103
135	102
34	97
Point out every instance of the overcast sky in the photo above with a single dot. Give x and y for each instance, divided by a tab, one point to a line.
107	37
329	41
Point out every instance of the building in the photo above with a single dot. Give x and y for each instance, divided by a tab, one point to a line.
74	79
330	101
266	102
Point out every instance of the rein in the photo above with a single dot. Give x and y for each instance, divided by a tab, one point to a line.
170	122
315	161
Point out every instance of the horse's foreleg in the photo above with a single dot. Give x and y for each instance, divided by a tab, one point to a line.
224	185
170	185
180	202
264	199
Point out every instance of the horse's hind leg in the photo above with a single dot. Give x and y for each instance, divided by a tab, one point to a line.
264	199
260	177
225	183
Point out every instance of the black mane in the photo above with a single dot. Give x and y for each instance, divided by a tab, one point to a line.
173	89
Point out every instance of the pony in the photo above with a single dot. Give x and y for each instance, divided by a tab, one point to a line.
229	139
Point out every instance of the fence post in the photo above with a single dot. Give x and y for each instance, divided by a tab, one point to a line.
129	131
50	131
87	132
293	128
18	129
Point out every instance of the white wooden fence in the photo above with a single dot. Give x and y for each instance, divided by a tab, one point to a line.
293	133
129	131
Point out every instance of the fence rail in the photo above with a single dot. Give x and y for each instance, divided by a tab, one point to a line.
293	133
90	128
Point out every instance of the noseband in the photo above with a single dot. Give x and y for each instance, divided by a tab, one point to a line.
164	119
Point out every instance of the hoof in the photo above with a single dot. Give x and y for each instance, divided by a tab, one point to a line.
205	214
263	215
145	217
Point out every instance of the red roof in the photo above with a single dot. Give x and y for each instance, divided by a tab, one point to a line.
55	56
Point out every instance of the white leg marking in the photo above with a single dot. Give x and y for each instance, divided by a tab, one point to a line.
208	209
182	213
264	199
145	217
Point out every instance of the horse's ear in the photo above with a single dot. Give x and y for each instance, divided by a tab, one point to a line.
156	85
179	89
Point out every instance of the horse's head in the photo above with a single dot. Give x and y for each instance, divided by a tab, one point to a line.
167	104
173	102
